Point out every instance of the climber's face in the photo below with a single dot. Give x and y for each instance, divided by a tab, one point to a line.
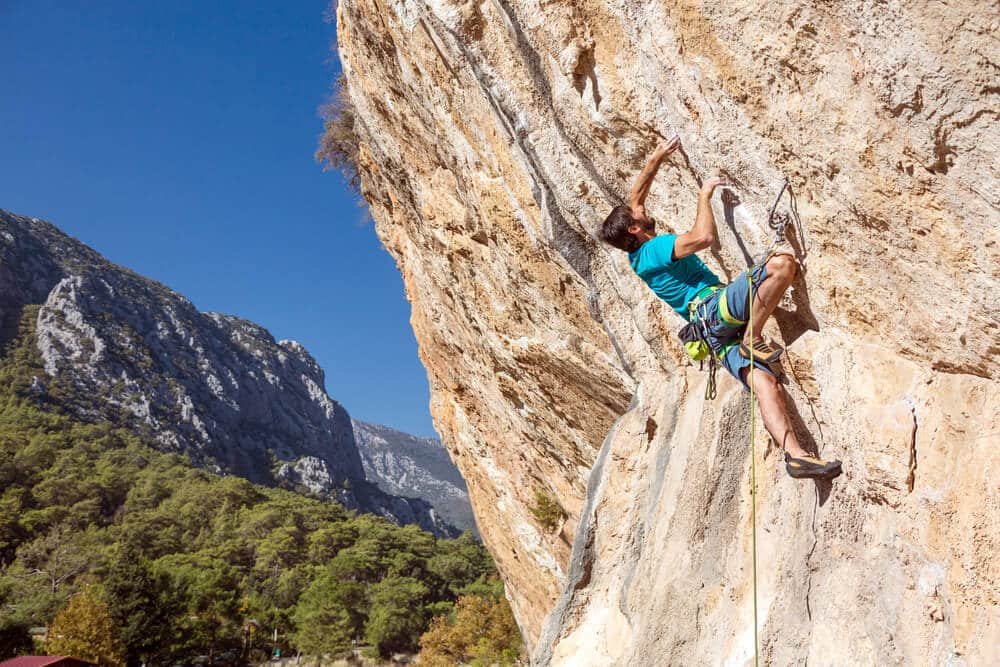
643	229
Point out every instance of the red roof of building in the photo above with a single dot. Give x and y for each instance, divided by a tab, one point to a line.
43	661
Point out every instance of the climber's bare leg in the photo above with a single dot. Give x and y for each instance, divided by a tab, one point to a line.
780	274
771	399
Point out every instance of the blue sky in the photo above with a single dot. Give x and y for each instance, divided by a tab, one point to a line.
177	139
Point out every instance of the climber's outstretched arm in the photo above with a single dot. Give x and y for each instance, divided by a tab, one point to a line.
702	235
637	197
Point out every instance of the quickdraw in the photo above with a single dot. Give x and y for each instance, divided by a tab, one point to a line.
778	221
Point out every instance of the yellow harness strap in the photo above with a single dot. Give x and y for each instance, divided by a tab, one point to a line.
727	317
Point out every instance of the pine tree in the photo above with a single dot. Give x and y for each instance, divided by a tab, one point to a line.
324	616
135	603
398	614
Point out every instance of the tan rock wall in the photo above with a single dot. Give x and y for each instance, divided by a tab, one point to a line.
862	570
496	135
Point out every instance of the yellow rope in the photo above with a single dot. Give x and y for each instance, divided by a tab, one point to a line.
753	468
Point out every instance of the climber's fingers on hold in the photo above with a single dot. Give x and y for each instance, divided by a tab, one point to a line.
714	182
669	145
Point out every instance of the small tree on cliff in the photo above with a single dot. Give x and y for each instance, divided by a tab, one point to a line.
338	147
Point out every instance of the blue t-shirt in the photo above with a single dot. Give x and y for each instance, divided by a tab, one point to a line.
676	281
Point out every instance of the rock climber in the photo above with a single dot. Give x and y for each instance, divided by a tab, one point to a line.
669	265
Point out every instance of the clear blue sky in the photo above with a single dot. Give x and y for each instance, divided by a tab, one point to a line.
177	139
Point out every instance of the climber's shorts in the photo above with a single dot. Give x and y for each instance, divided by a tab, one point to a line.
724	336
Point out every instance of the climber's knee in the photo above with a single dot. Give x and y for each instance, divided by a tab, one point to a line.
782	267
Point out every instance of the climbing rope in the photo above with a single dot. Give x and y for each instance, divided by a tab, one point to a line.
753	464
778	222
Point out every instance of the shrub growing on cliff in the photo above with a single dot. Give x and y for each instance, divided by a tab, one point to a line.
338	147
546	510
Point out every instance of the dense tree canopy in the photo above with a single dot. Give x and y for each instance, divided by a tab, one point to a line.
186	563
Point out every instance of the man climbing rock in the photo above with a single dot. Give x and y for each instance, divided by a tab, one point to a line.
669	265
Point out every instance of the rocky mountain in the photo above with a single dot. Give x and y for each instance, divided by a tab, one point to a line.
408	465
217	388
492	140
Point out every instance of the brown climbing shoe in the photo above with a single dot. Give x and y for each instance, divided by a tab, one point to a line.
763	351
811	467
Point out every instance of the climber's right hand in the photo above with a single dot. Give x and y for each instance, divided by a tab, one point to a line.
708	187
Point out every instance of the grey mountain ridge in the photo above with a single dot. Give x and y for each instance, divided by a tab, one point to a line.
401	463
217	388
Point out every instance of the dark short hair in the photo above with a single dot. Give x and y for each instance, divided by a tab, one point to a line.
615	229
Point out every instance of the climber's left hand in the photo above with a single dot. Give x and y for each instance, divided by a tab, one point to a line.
668	146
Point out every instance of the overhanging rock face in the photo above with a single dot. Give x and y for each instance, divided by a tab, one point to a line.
494	138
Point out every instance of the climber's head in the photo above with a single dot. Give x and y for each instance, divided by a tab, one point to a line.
625	231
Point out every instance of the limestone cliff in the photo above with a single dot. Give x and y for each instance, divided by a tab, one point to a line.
494	137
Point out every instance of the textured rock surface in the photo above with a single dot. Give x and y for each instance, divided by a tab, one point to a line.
407	465
217	388
494	138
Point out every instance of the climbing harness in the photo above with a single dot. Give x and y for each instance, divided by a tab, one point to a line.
695	333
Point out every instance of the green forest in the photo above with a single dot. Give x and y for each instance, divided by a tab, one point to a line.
162	562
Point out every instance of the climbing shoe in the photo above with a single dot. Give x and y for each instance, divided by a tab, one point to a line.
810	467
763	351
